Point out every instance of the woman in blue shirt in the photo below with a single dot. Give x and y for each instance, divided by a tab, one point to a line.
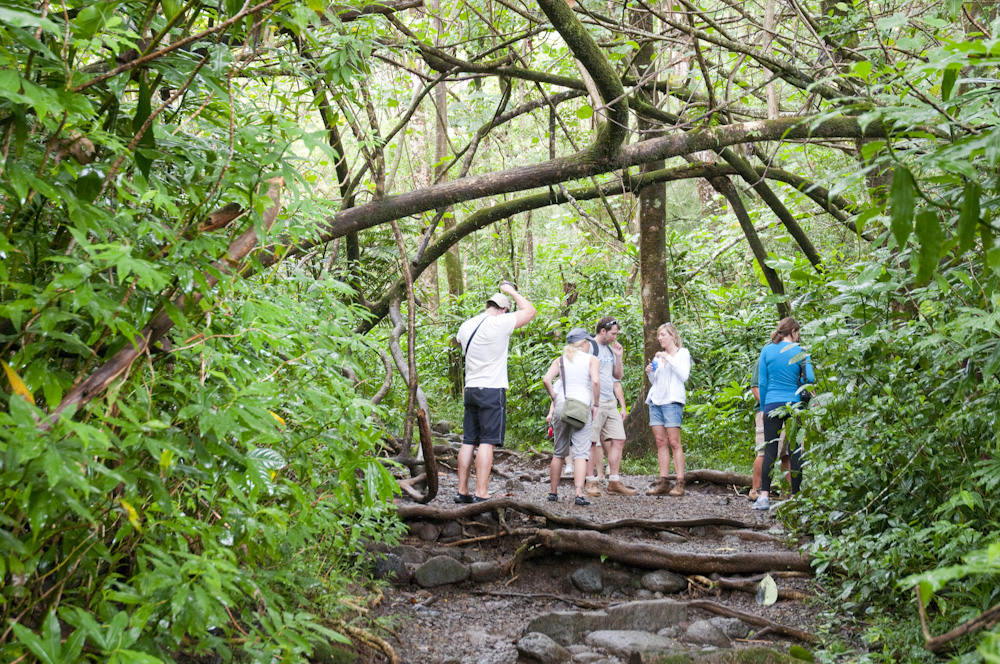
780	386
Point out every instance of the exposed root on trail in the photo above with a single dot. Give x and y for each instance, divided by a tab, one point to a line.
658	557
719	609
416	512
746	586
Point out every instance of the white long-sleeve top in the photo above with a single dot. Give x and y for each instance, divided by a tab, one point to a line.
669	377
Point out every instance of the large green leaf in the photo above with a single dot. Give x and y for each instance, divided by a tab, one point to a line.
929	235
902	196
968	218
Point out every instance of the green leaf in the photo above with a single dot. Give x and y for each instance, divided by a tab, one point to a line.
93	17
170	8
901	201
929	235
968	218
955	7
862	69
948	82
585	112
767	591
143	110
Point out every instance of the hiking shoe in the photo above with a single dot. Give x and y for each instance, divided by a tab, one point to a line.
620	489
678	489
593	489
754	494
463	498
580	500
661	487
761	503
553	497
477	499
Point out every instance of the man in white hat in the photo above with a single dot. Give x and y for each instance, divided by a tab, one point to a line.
484	341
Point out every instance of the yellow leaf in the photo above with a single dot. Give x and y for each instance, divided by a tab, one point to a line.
166	458
277	417
133	516
18	385
274	474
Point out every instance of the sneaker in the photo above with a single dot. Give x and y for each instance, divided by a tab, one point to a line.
593	489
463	498
678	489
761	503
620	489
580	500
553	497
661	487
754	494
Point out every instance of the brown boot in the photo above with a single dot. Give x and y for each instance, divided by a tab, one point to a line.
678	489
592	489
620	489
661	487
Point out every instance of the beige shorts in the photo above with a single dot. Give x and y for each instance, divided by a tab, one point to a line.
608	423
782	445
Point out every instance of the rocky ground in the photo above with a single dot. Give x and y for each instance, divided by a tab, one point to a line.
522	579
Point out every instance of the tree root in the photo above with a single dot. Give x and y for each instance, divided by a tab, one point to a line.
719	477
575	601
658	557
414	512
366	638
943	643
748	586
719	609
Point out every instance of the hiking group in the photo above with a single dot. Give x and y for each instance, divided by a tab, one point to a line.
588	410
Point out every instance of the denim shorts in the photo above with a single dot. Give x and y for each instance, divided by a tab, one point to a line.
666	415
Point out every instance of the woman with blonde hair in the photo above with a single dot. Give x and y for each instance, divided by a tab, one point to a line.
668	372
780	384
579	381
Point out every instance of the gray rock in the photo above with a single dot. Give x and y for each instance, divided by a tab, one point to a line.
697	531
616	579
474	555
625	643
449	551
702	632
442	427
577	648
668	632
514	486
662	581
483	572
410	554
587	657
391	566
644	594
568	627
428	532
733	627
440	571
588	579
649	615
451	529
671	538
540	648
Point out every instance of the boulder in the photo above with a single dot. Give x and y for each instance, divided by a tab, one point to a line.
733	627
538	647
440	571
391	566
410	554
588	579
484	572
703	632
428	532
625	643
650	615
451	529
568	627
662	581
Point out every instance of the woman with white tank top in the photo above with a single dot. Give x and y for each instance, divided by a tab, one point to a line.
579	372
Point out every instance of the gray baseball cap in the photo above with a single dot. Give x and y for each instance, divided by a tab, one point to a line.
578	334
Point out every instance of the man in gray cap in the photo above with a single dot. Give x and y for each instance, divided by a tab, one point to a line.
484	341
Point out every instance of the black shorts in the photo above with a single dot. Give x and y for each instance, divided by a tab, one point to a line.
485	415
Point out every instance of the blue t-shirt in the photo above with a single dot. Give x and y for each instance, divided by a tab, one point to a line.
779	375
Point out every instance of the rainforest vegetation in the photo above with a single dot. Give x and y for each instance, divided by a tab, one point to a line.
237	238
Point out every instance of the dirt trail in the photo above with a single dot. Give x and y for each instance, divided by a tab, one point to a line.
479	620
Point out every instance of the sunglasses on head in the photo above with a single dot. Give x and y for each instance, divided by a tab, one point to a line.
609	325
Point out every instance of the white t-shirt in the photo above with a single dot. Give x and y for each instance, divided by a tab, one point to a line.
669	378
486	357
578	385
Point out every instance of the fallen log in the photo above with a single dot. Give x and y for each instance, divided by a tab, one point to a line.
715	477
719	609
431	513
659	557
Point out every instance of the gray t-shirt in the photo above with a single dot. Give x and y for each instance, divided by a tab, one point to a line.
607	359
